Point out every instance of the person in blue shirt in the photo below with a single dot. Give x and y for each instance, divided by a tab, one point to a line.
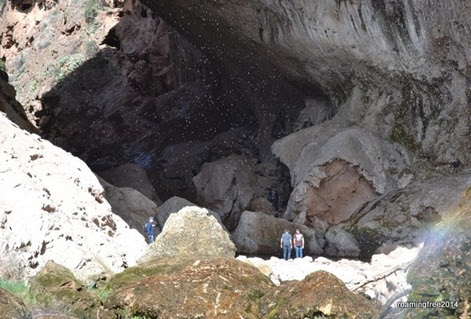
150	230
285	243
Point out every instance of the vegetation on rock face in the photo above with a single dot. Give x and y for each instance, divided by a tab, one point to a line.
442	272
55	286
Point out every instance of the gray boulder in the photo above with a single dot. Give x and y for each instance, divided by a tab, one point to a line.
131	176
341	243
259	234
173	205
129	204
227	185
192	232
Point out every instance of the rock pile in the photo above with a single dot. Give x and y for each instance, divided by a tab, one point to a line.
380	279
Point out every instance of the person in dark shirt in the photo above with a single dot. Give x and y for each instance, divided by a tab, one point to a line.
285	243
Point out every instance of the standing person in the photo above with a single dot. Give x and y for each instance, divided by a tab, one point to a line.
285	243
298	243
150	230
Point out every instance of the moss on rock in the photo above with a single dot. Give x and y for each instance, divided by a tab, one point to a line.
319	294
56	287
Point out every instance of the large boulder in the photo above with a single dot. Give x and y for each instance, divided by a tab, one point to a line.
259	234
319	294
341	243
192	232
131	176
129	204
227	185
11	307
218	288
336	171
174	205
57	288
52	207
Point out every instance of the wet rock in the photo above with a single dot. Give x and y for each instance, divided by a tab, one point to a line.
192	232
442	270
129	204
56	287
259	234
227	186
174	205
319	294
131	176
66	217
11	307
217	288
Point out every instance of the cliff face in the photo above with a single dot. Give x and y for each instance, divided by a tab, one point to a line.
408	61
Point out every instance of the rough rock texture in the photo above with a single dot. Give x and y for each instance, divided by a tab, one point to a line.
341	243
319	294
192	232
259	234
129	204
11	307
407	61
262	205
443	269
174	205
65	217
131	176
228	185
404	216
218	288
335	171
56	287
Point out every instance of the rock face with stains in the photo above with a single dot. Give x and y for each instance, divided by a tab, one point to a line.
335	171
52	207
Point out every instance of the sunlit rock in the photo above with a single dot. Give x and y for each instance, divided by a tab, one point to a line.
52	207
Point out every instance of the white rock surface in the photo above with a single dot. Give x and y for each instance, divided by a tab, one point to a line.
387	273
52	207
